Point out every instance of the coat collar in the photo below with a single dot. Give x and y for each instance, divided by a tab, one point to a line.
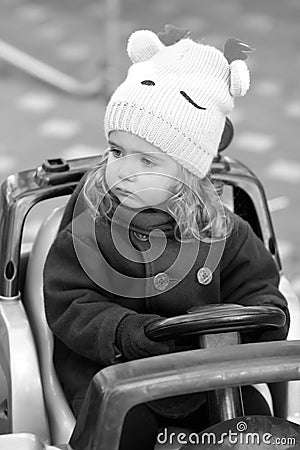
143	221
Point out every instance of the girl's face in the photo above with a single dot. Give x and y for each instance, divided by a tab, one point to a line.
138	173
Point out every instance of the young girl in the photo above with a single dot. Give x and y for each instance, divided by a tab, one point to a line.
148	236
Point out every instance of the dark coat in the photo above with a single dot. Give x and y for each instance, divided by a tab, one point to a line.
84	313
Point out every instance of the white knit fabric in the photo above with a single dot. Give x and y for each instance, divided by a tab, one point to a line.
160	113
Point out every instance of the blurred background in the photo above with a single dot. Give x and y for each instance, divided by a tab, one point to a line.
79	49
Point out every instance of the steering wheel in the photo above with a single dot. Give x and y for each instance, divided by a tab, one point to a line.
216	318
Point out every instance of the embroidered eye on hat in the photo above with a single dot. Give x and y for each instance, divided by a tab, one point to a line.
177	94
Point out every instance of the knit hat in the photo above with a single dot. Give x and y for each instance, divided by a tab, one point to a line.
177	96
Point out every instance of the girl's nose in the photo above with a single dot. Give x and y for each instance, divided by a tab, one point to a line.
127	169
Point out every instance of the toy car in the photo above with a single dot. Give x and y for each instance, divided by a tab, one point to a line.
35	414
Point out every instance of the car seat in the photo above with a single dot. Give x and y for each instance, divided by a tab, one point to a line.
61	418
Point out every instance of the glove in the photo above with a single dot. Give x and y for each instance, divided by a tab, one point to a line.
132	341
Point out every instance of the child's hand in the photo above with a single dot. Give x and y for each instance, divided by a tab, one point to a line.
132	341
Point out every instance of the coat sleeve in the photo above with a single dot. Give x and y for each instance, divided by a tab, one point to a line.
77	311
249	277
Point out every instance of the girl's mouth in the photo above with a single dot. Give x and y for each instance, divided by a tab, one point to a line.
123	191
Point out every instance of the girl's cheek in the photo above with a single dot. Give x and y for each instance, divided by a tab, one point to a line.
107	176
177	186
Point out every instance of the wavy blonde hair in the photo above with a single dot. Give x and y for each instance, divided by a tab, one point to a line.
196	207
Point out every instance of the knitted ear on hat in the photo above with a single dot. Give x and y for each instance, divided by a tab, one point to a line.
234	52
142	45
172	34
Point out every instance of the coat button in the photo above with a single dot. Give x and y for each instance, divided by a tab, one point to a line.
140	236
161	281
204	275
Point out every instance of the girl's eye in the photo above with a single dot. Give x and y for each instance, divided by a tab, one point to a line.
147	162
116	153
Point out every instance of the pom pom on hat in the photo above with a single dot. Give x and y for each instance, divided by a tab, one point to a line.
142	45
239	78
